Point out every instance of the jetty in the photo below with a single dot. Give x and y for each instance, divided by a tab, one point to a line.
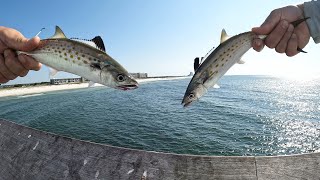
27	153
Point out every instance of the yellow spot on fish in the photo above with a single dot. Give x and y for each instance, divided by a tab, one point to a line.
222	64
60	56
65	54
71	56
59	51
69	51
83	55
78	58
85	62
63	49
66	59
76	53
73	61
217	65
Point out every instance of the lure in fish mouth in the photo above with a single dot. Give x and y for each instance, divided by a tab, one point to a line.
218	61
86	58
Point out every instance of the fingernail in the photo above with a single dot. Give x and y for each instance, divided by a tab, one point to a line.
293	35
284	24
7	53
22	58
257	42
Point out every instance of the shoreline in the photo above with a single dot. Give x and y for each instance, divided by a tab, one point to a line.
30	90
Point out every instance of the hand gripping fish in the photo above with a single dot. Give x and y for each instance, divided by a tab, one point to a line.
218	61
86	58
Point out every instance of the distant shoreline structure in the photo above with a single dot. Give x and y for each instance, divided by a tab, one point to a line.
42	87
78	80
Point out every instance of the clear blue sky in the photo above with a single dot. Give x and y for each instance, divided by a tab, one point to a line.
160	37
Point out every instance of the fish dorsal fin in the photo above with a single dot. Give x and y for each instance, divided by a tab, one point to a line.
96	42
58	34
99	43
196	64
224	36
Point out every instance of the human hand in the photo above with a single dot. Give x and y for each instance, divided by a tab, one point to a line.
11	65
282	35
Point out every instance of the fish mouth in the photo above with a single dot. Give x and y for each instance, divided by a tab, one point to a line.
128	87
186	104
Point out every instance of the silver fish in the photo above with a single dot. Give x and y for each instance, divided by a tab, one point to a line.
86	58
218	61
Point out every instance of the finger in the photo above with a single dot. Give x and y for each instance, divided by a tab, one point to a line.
13	64
282	46
15	40
276	35
6	73
292	45
29	63
269	24
257	44
3	79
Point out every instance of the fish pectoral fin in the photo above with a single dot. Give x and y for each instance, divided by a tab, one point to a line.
216	86
52	72
91	84
58	34
224	36
241	61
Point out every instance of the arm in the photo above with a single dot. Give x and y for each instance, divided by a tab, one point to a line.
312	10
11	65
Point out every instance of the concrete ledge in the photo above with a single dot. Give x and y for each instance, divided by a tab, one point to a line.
26	153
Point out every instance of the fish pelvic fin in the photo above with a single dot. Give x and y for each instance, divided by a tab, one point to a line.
58	34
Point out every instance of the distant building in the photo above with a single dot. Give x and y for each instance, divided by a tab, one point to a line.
191	74
67	81
139	75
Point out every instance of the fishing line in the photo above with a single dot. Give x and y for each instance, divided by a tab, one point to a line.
39	32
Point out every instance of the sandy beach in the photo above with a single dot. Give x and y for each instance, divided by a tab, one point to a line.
33	90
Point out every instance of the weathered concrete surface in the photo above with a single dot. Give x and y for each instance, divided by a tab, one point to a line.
26	153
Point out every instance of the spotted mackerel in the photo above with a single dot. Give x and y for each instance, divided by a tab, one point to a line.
218	61
86	58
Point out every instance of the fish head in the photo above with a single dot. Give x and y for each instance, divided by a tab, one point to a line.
194	91
117	77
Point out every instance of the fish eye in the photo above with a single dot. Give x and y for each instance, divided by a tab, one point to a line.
120	77
191	96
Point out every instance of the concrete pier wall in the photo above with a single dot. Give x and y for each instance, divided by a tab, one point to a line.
26	153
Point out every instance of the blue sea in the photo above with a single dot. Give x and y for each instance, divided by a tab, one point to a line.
247	115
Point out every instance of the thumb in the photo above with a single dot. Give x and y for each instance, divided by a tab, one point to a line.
11	38
269	24
24	44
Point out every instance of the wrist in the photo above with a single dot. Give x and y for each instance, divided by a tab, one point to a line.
301	8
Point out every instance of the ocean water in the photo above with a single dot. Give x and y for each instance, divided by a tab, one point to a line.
248	115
